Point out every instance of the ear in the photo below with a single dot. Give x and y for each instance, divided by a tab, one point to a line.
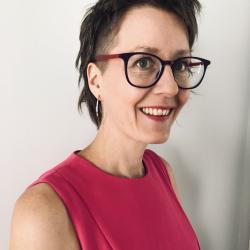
94	78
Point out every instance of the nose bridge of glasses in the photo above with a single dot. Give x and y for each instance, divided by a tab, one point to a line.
165	68
170	79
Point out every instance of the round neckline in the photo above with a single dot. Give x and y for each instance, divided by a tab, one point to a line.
92	167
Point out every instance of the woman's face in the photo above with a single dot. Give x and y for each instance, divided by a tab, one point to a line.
144	26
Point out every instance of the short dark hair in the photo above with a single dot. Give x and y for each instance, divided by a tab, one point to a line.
101	23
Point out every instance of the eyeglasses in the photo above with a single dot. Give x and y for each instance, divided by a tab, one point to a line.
143	69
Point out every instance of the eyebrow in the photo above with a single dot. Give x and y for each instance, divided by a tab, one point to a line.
148	49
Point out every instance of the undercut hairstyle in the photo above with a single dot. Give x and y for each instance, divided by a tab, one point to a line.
99	28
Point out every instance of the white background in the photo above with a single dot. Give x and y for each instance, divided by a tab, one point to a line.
208	147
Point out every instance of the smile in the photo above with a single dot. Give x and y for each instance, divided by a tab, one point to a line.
157	114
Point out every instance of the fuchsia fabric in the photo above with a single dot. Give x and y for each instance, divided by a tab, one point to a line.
111	212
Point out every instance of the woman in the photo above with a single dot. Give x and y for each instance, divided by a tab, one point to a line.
135	59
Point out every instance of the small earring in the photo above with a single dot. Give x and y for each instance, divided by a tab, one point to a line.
97	106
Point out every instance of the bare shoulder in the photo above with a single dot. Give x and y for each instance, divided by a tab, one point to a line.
40	221
172	178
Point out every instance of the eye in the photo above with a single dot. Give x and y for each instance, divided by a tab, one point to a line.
181	66
144	62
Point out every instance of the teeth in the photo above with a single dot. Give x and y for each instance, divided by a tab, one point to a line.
156	112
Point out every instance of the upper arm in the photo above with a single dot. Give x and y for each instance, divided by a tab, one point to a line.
39	221
172	178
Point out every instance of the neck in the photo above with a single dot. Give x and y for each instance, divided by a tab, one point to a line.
116	153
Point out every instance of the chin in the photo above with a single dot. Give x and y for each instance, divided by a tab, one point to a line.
157	140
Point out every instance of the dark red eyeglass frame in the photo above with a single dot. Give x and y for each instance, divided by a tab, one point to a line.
126	56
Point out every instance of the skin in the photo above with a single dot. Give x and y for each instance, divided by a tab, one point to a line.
125	132
123	136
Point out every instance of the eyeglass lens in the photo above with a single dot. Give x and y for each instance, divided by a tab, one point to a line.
143	70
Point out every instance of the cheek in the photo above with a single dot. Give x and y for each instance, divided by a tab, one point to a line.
183	97
120	98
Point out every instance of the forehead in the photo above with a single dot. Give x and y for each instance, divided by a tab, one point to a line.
147	26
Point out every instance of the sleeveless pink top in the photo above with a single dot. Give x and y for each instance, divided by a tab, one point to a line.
111	212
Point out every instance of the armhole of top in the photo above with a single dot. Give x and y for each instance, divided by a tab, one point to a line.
166	178
60	196
163	169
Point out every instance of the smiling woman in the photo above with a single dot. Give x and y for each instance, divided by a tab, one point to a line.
115	193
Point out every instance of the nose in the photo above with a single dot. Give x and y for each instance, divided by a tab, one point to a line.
167	84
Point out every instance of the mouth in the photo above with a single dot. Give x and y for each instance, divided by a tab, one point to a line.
157	114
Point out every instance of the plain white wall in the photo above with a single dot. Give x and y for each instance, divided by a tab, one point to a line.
40	125
244	212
